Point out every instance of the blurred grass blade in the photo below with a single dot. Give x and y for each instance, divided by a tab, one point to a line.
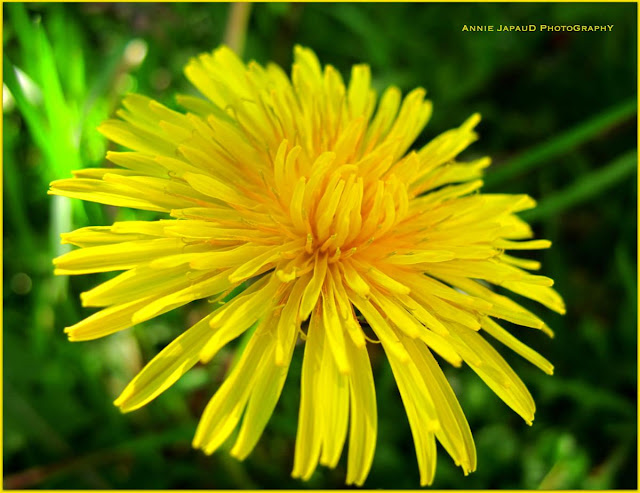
69	53
41	67
62	141
54	102
102	83
588	187
563	143
29	112
602	477
25	32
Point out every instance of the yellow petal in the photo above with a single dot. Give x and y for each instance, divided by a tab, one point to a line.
289	322
491	327
494	371
251	267
333	387
334	331
268	385
312	291
454	432
166	368
420	410
120	256
310	422
199	287
107	321
240	313
216	189
224	410
364	417
380	326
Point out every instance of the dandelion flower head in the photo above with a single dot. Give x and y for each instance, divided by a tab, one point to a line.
302	194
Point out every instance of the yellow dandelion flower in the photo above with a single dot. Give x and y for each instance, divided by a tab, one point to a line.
303	191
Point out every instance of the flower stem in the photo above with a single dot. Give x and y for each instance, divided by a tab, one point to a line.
237	23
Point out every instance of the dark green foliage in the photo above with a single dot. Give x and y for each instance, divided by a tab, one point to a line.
559	122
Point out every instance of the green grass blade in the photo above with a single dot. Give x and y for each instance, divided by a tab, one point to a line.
68	50
101	84
52	95
539	155
588	187
31	116
24	30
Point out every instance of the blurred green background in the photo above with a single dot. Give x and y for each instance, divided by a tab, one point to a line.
559	115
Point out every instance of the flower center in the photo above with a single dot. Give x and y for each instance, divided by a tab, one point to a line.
339	215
